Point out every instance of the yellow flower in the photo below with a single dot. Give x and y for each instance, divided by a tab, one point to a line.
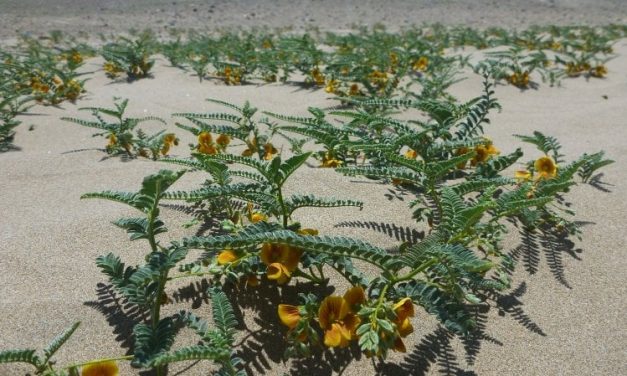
76	57
393	59
546	167
269	151
170	138
354	90
331	87
599	71
404	309
411	154
522	175
204	138
227	256
109	368
378	78
205	143
405	327
421	64
337	321
520	80
289	315
112	140
165	149
111	69
57	81
258	217
223	140
318	77
484	152
207	149
330	162
278	272
281	261
355	296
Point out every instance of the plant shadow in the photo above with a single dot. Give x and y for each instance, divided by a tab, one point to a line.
121	315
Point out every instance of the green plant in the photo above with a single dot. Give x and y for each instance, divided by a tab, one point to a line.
131	57
119	132
145	287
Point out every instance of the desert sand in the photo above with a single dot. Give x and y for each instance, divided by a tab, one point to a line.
565	314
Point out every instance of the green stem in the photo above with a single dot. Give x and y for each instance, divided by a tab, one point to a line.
156	309
283	208
419	269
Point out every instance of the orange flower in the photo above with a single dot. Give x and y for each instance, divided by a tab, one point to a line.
223	140
461	151
170	138
279	273
354	90
281	261
258	217
522	175
355	296
337	321
109	368
331	87
421	64
411	154
269	151
484	152
404	309
112	140
204	138
289	315
227	256
308	231
546	167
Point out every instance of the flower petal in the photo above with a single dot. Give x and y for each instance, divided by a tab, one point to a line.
355	296
226	256
289	315
109	368
278	273
331	309
404	309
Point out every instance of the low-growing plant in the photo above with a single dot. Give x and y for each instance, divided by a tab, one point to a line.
119	132
130	57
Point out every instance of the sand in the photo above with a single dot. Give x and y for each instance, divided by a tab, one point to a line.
163	16
564	314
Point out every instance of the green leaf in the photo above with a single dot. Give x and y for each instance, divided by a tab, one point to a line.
20	356
59	340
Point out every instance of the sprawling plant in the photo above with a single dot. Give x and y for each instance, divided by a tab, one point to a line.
144	286
119	132
130	57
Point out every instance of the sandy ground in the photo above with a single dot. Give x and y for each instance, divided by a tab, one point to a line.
565	314
106	16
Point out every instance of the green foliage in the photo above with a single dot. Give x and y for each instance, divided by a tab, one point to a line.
119	132
131	57
43	365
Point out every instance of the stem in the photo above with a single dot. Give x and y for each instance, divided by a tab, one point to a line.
156	309
283	208
419	269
